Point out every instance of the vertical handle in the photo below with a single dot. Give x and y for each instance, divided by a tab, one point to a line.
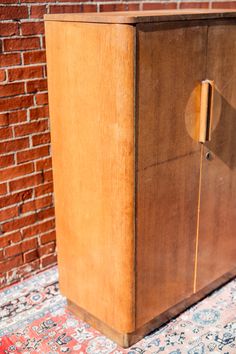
206	110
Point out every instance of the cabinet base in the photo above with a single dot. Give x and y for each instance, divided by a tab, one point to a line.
125	340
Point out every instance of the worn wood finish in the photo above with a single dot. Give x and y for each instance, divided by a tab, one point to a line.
127	339
92	117
133	17
166	78
123	339
168	165
217	240
145	224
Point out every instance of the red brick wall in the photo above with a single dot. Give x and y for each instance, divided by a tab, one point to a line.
27	228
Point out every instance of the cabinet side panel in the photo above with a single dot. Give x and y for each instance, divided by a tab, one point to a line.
91	79
217	229
171	64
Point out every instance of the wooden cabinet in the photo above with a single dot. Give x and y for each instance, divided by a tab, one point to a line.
145	207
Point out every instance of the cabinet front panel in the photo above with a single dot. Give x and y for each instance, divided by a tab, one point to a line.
170	64
217	228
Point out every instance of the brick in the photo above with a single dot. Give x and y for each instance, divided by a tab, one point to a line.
71	1
45	66
14	145
5	133
13	12
38	228
37	56
13	117
27	194
29	128
41	1
194	5
15	198
89	8
18	223
10	59
3	188
29	244
14	44
8	213
32	154
10	264
224	5
36	85
6	240
1	255
9	1
3	280
118	7
41	98
38	11
29	181
31	28
133	7
41	139
28	72
13	250
159	6
4	119
2	75
30	256
44	47
23	271
48	260
37	204
40	112
27	207
44	189
45	213
48	237
44	164
26	270
12	89
16	102
9	29
17	117
6	160
21	247
47	249
47	176
16	171
53	9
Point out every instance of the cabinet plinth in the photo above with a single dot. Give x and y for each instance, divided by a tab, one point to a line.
141	208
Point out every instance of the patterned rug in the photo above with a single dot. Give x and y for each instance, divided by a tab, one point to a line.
33	319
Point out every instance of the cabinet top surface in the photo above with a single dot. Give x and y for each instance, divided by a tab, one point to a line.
132	17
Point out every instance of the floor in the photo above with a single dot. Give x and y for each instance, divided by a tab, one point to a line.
33	319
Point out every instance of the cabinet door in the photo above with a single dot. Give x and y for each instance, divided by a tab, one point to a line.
217	219
171	61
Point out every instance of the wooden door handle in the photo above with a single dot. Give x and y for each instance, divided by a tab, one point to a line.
206	110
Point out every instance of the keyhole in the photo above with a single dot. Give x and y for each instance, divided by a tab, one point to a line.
208	156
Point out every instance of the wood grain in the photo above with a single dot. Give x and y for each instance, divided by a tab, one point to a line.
217	240
145	223
127	339
168	165
123	339
132	17
91	102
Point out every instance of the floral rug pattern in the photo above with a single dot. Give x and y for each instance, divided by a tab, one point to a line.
34	319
